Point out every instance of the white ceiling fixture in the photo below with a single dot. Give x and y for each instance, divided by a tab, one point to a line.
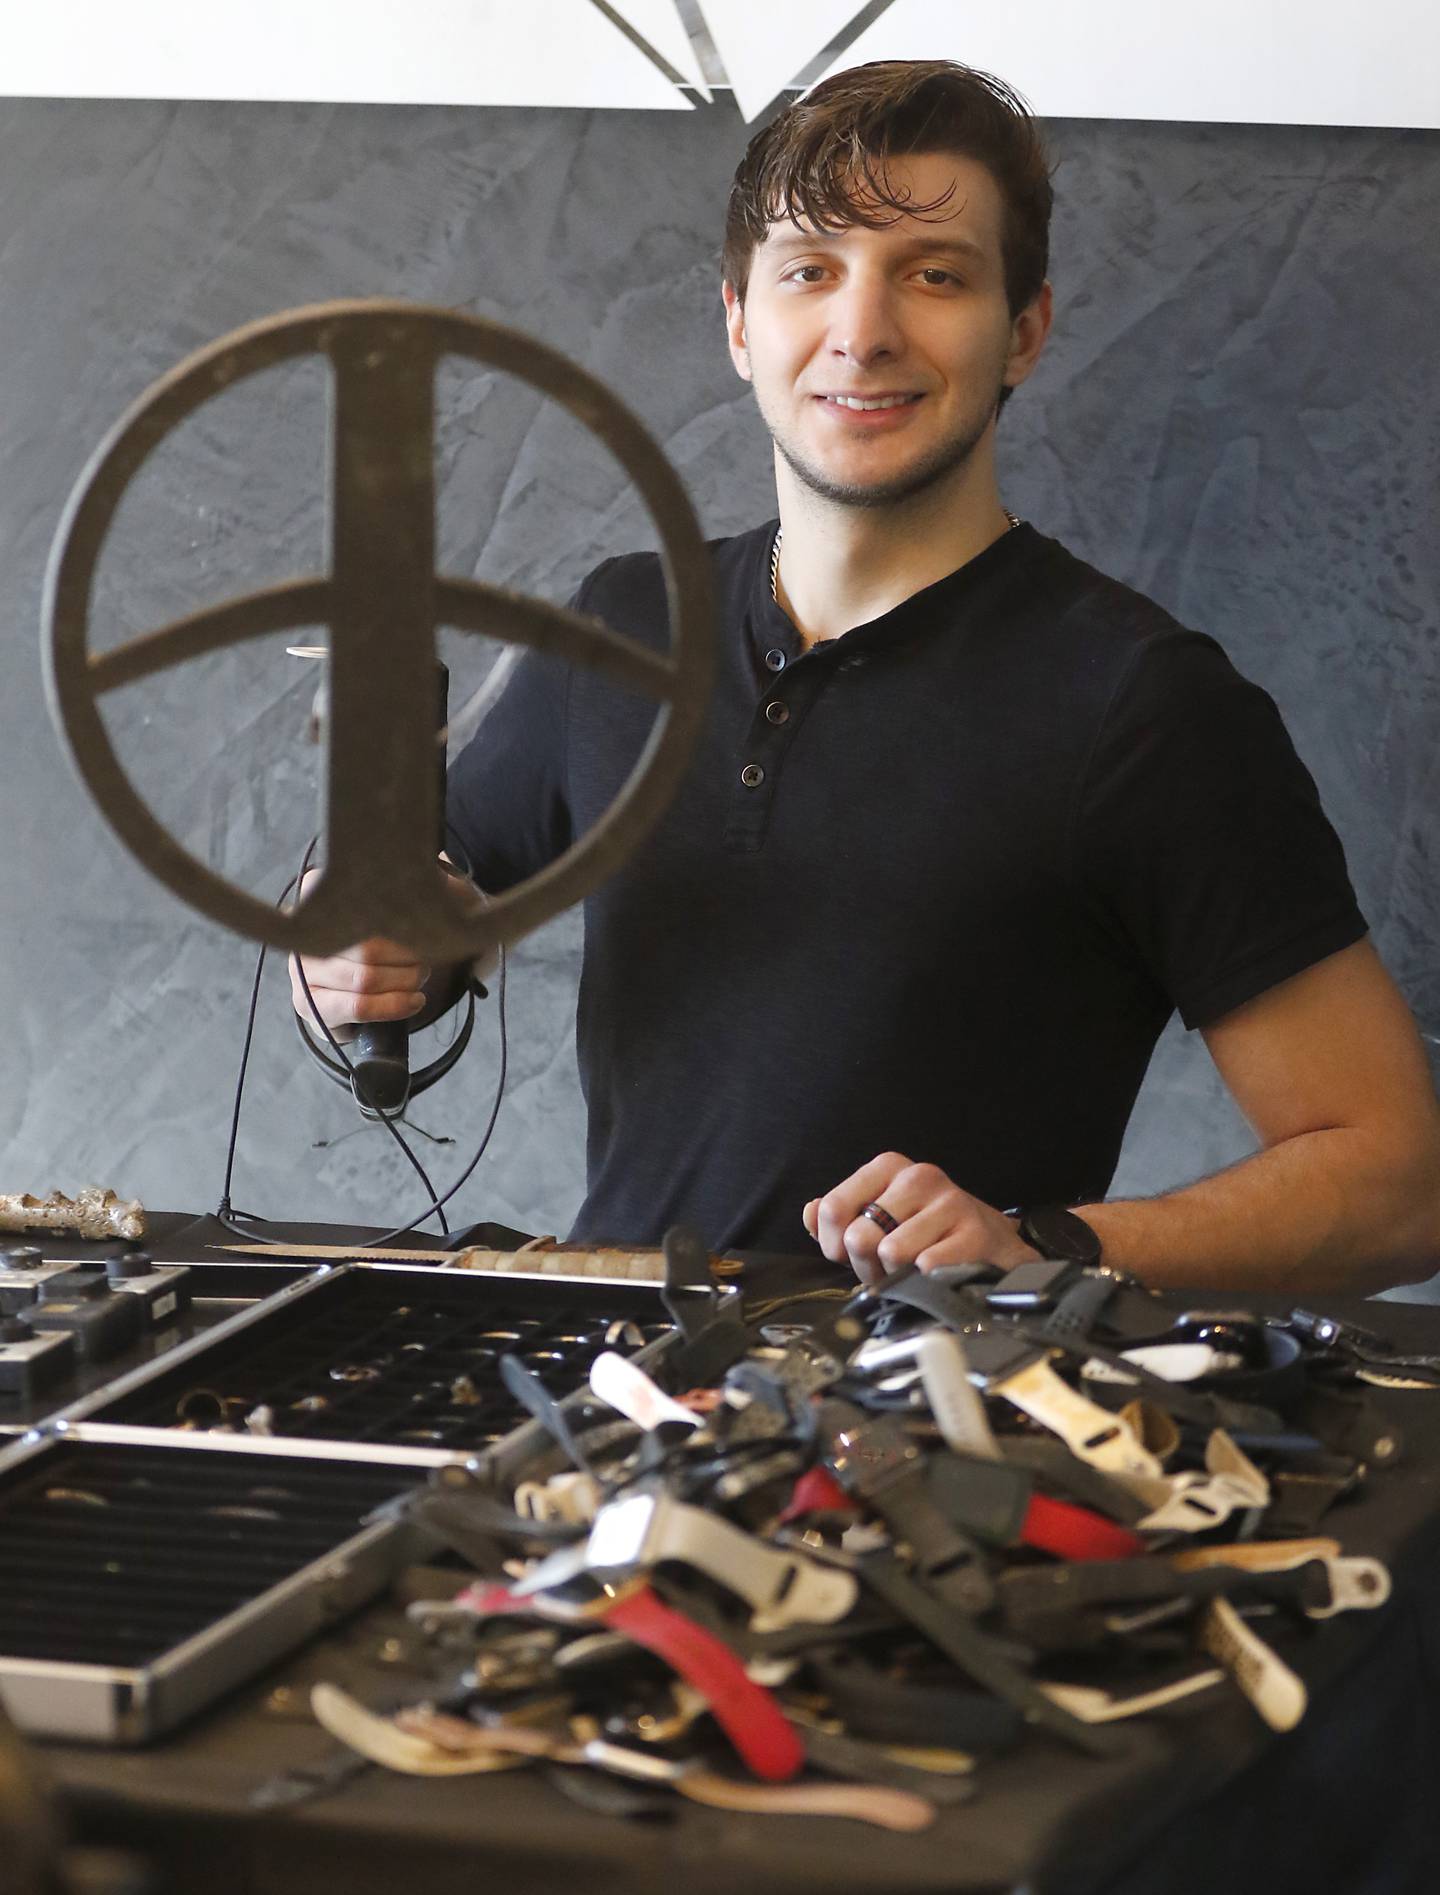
659	24
766	43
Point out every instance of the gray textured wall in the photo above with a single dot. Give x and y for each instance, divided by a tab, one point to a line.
1236	414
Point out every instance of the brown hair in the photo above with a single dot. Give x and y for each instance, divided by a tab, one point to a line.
824	160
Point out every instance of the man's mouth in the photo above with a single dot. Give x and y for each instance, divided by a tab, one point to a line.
867	404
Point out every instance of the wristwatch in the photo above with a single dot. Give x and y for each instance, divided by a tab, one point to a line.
1060	1235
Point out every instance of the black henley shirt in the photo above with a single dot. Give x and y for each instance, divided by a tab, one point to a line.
934	887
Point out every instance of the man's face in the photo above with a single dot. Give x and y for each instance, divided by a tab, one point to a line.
912	317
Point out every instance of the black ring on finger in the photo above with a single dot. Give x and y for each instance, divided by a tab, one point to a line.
879	1215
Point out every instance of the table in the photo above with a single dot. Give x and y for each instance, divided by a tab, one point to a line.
1205	1800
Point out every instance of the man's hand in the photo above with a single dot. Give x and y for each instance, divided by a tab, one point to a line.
380	979
375	980
936	1223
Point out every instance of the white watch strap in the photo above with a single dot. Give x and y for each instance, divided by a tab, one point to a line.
1091	1432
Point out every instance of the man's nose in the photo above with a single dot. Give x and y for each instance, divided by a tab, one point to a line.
864	323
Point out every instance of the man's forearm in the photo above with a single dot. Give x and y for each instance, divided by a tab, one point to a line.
1333	1209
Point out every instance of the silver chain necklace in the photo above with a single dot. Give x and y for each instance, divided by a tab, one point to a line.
1013	518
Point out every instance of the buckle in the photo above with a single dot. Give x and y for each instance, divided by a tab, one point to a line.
870	1455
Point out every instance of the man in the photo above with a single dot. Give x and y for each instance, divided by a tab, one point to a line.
968	821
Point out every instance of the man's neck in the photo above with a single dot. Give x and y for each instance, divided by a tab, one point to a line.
843	566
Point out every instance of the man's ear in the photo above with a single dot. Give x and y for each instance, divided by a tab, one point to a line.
735	331
1027	336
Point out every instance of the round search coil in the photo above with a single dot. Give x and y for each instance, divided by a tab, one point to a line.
382	602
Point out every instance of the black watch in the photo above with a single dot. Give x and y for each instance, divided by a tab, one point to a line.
1060	1235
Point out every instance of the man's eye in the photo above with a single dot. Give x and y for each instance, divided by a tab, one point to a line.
805	273
936	278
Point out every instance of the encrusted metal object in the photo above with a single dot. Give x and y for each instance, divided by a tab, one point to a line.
94	1214
615	1265
382	602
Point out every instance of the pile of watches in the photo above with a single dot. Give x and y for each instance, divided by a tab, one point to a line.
836	1553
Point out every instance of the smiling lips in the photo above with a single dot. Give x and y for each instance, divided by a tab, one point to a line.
868	404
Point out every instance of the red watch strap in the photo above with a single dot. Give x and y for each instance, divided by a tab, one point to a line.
763	1738
1060	1527
817	1491
489	1602
744	1710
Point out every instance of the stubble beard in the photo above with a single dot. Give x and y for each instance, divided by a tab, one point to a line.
945	459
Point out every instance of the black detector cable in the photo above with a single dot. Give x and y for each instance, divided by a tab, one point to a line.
457	849
495	1104
230	1218
387	1119
436	1205
226	1213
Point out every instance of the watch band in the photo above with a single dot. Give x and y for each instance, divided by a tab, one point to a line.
816	1491
620	1382
1256	1555
976	1654
1090	1432
1269	1683
1064	1478
1079	1307
956	1305
1075	1533
872	1457
712	1334
781	1585
1350	1344
862	1802
1056	1232
954	1400
844	1755
763	1738
986	1498
1348	1422
1300	1500
1186	1404
889	1710
1065	1607
1098	1706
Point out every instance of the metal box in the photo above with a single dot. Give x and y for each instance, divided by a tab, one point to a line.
385	1354
142	1578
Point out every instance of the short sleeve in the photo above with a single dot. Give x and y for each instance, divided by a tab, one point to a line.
1200	839
506	802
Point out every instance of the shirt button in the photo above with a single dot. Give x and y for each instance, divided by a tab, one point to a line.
752	776
776	712
775	660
